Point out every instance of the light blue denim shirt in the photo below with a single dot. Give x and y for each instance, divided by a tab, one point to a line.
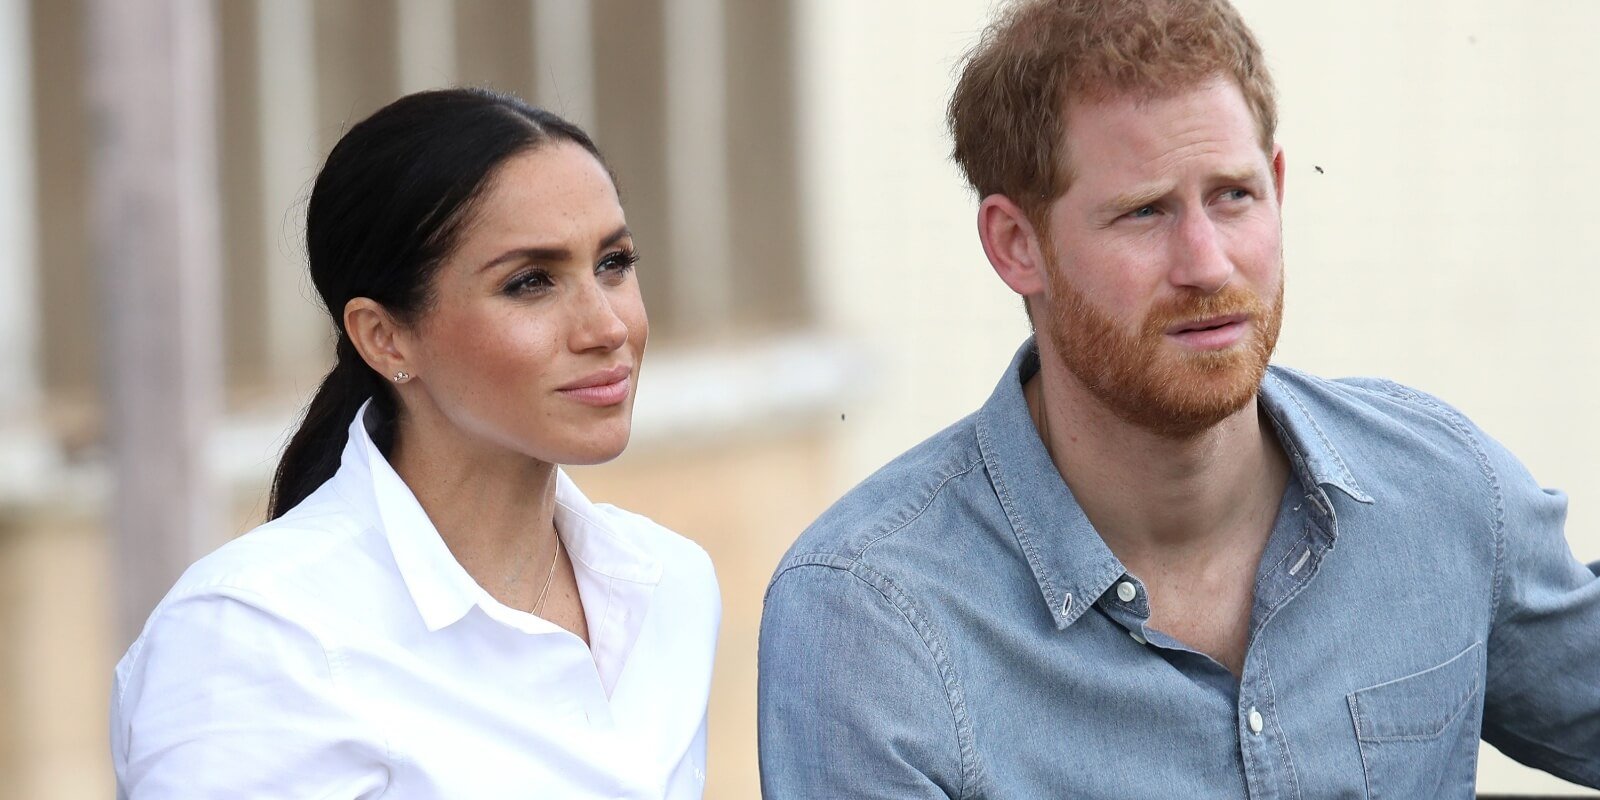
954	627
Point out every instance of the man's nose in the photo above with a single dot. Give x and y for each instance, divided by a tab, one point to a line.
1199	260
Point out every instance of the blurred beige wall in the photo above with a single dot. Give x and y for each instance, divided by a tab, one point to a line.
1443	243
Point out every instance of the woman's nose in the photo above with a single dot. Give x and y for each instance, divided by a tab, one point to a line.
596	325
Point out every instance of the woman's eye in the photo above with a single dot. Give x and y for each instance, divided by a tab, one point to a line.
618	262
528	283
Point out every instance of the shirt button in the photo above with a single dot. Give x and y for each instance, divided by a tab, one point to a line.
1126	591
1255	720
1138	637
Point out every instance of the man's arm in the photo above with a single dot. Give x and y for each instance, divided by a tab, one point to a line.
1542	700
852	701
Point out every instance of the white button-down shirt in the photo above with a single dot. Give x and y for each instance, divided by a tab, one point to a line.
342	652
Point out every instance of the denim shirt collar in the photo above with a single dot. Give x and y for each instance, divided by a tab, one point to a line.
1313	454
1072	564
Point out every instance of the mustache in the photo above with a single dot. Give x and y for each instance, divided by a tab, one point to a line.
1231	299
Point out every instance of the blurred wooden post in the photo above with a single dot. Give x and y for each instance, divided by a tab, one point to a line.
19	300
563	46
156	243
426	44
697	164
286	72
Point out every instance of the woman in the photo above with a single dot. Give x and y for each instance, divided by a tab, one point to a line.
434	609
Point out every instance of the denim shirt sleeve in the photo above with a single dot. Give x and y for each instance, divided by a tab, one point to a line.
1542	701
851	699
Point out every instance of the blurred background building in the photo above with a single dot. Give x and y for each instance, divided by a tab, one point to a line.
819	299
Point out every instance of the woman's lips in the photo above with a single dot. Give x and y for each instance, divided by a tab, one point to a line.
606	387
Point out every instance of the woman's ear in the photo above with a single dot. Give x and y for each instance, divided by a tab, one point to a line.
1012	245
382	342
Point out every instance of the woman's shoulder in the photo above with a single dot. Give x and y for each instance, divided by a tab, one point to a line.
684	577
664	542
311	548
681	559
631	524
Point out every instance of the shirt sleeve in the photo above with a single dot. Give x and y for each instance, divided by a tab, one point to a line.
1542	697
223	698
851	700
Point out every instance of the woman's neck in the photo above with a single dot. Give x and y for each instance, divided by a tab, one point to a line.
494	508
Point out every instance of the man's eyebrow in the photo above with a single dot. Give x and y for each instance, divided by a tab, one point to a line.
1145	195
552	252
1135	198
1241	175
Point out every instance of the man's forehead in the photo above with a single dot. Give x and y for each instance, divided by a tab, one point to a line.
1142	106
1129	129
1077	94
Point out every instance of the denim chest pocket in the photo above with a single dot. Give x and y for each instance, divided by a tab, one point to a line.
1419	734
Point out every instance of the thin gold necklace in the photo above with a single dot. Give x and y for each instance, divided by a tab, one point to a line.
548	577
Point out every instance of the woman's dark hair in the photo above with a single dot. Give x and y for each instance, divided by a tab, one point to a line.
386	210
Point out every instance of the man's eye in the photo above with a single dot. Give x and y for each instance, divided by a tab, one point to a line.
1142	212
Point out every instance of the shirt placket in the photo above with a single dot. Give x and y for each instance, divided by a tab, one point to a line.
1269	773
1267	755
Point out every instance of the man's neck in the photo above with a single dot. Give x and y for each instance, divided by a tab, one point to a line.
1155	500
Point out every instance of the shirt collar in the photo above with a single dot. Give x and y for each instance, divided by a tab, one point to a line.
596	542
438	584
440	587
1315	458
1070	561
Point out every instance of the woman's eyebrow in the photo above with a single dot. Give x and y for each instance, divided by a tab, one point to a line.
552	252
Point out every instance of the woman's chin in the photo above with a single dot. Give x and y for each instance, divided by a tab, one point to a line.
595	451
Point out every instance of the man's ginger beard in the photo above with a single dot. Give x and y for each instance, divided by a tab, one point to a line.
1150	382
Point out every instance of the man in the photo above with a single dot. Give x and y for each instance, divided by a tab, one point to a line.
1150	565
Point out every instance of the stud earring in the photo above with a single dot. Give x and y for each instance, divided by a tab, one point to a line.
402	377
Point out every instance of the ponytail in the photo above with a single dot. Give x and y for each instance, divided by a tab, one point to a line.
312	456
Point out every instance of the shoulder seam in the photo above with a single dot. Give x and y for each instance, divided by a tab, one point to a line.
332	658
932	495
1458	423
901	601
853	555
261	603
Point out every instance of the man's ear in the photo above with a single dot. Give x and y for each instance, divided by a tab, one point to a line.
1278	171
379	338
1012	245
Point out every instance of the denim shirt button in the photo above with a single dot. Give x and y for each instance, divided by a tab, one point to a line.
1126	591
1255	720
1138	637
